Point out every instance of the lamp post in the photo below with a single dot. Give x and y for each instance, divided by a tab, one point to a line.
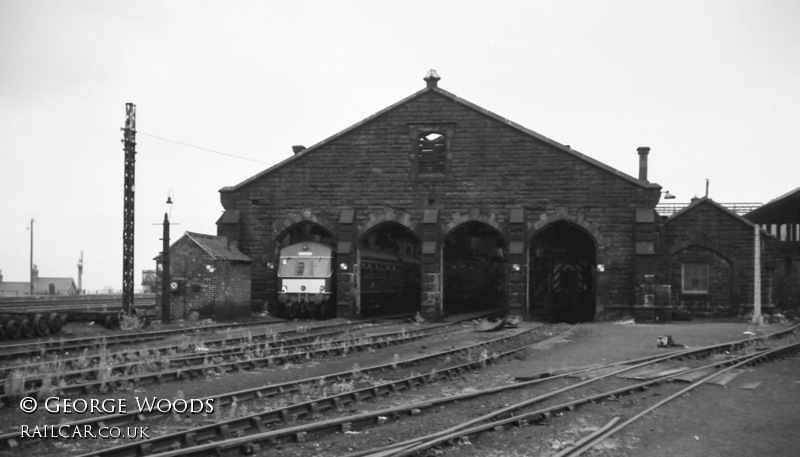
165	276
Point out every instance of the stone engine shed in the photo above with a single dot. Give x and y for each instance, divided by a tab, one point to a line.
498	216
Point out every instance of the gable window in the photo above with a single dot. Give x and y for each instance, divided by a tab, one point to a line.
430	151
695	278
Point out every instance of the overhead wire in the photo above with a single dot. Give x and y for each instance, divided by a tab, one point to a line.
199	147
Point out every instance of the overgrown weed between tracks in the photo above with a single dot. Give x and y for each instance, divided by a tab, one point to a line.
129	322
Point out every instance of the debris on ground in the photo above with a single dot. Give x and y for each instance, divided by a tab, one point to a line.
668	342
512	321
418	319
488	324
750	386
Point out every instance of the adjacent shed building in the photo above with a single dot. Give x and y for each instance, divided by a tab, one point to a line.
780	218
709	260
500	216
209	278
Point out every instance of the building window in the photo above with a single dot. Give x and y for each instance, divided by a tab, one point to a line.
695	278
430	151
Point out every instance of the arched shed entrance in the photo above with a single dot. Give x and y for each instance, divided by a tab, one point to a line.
474	268
305	273
561	283
389	270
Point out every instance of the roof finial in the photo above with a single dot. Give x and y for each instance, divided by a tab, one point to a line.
432	78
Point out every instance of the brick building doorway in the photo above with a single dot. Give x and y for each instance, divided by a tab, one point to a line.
561	282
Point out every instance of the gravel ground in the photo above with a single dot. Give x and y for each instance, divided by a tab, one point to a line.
712	421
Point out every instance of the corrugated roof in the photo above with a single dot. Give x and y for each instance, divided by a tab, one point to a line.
218	247
563	148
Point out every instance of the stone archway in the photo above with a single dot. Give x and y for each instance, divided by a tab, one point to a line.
388	215
473	265
562	261
306	217
389	272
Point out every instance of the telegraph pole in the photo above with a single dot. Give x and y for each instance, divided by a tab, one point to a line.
31	266
80	275
127	232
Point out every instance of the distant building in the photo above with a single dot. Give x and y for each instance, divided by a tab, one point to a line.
13	289
41	286
208	275
149	281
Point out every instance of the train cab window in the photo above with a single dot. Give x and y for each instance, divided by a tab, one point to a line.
319	266
322	266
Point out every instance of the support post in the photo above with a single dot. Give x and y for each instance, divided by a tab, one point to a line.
165	276
757	276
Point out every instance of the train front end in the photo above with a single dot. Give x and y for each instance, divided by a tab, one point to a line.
305	280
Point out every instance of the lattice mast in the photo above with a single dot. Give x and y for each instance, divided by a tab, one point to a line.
127	231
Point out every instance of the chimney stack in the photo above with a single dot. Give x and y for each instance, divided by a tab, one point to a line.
643	151
298	148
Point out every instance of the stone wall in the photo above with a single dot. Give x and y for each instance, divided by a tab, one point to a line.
494	169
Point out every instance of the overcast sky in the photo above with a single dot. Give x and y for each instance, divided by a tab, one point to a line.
713	87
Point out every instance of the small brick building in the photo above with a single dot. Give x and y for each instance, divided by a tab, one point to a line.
502	217
708	255
208	275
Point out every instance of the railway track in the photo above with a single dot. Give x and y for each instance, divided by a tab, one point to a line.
201	365
210	345
43	347
11	440
124	365
253	434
